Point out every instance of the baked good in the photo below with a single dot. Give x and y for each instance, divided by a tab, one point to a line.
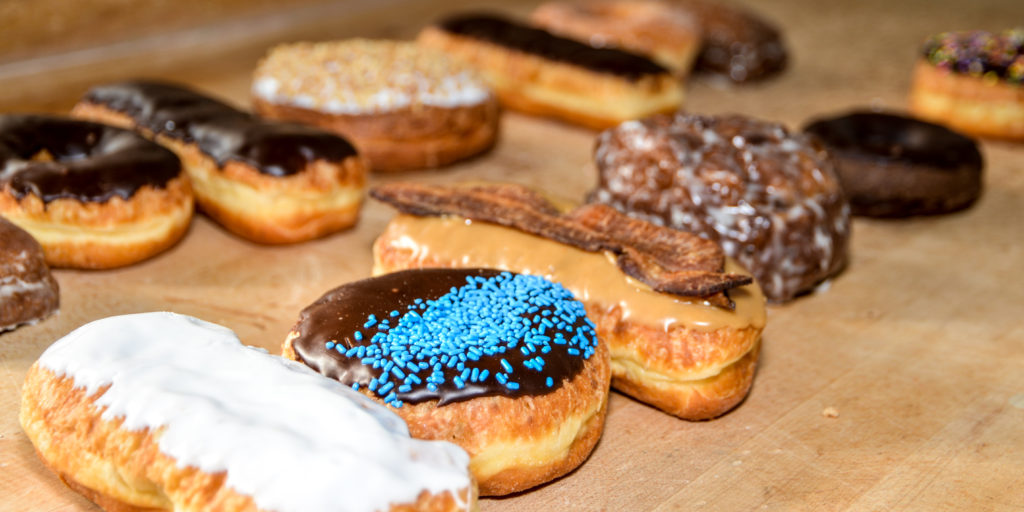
158	411
683	335
267	181
895	166
404	106
737	45
28	292
972	82
770	198
506	366
93	195
536	72
667	35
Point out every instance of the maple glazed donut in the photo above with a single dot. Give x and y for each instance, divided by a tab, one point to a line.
158	411
404	106
507	366
94	196
972	82
770	198
267	181
536	72
682	324
28	292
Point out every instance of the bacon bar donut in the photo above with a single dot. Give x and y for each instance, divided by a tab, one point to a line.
507	366
683	334
536	72
93	195
267	181
404	106
28	292
158	411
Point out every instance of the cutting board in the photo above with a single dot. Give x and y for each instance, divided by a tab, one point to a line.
917	348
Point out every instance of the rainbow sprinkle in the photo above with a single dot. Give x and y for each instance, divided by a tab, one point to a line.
979	53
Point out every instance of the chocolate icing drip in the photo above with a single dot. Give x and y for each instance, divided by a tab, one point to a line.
54	158
523	38
341	312
222	132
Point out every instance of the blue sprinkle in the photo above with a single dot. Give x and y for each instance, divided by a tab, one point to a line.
393	313
373	384
483	375
385	388
512	385
550	382
391	396
358	336
370	322
459	383
355	386
573	352
329	345
404	388
506	366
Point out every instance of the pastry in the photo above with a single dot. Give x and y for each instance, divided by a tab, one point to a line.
507	366
158	411
737	45
28	293
267	181
895	166
769	197
972	82
536	72
93	195
682	333
404	106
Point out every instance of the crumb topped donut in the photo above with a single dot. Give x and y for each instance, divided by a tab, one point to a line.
94	196
404	106
507	366
28	292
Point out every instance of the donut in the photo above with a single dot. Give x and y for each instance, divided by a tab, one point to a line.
93	195
536	72
737	45
972	82
770	198
667	35
28	292
507	366
158	411
404	106
895	166
267	181
682	324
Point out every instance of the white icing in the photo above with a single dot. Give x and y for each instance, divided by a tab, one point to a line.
286	436
11	285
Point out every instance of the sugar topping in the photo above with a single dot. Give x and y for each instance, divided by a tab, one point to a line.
361	76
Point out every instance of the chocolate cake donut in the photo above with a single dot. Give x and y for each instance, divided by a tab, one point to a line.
769	197
28	293
895	166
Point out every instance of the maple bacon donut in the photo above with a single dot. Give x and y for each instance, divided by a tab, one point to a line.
28	292
94	196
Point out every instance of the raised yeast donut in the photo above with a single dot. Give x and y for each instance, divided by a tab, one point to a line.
737	44
28	293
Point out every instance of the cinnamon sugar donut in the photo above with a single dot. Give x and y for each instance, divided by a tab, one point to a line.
28	293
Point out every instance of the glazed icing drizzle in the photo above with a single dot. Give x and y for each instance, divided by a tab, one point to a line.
448	335
287	437
979	53
221	131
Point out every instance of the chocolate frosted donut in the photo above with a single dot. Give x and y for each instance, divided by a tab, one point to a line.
28	293
769	197
895	166
737	44
471	356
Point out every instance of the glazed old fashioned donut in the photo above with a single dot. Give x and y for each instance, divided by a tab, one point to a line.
972	82
537	72
682	324
158	411
404	106
93	195
737	45
895	166
28	292
771	198
268	181
506	366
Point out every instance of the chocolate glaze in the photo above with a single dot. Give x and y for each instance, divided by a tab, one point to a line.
30	293
222	132
344	310
90	161
523	38
737	44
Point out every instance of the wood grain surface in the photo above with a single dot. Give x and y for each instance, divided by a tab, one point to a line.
918	345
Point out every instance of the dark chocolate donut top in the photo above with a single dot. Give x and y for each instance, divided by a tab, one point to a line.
736	44
222	132
979	53
894	138
447	334
527	39
56	157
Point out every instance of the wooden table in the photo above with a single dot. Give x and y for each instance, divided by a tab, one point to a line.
919	345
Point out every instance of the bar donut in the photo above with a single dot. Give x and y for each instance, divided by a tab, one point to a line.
507	366
267	181
681	323
94	196
28	292
158	411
